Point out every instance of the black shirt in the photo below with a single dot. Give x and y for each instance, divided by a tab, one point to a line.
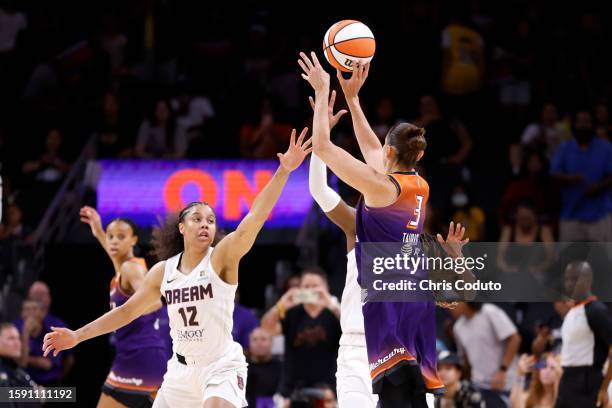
262	380
311	349
13	376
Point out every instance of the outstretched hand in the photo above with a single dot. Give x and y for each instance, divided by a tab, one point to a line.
297	151
60	338
454	240
333	119
314	72
351	86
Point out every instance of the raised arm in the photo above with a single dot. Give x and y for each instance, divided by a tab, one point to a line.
90	216
369	143
338	211
377	188
61	338
330	202
234	246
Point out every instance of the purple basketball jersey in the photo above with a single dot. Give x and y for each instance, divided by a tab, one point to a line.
399	333
142	332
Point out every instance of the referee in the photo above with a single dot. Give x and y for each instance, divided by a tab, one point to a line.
586	343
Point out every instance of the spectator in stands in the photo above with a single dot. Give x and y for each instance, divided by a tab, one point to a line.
191	113
471	216
39	291
548	133
516	57
245	322
488	341
264	370
114	43
12	23
112	130
526	230
311	326
448	147
109	144
47	371
13	226
385	117
448	140
543	385
583	166
157	134
10	373
533	184
586	342
329	396
34	322
463	60
460	393
44	175
263	136
50	167
548	332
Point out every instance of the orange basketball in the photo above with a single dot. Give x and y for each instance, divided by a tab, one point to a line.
348	41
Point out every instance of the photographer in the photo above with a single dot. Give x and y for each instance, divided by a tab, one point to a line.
310	323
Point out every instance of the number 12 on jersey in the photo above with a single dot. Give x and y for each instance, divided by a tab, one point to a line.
413	224
193	311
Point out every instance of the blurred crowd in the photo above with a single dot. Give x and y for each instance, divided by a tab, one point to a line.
514	97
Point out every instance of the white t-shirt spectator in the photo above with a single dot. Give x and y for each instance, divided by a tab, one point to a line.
10	26
200	109
482	340
553	135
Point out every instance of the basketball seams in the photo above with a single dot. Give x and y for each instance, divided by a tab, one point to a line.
357	47
351	39
330	54
333	32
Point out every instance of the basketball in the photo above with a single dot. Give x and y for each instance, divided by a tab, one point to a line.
348	41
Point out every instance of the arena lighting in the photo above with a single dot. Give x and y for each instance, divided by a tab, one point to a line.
143	190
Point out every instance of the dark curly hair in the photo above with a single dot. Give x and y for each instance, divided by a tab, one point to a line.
167	239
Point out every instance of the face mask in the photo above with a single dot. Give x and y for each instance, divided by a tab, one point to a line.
584	136
459	199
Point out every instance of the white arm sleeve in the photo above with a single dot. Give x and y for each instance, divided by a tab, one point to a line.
324	195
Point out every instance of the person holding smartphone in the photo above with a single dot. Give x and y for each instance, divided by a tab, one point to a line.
309	318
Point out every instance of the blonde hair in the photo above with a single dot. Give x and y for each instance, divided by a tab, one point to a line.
535	393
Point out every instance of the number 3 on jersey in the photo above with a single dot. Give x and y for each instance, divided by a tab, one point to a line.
413	224
192	315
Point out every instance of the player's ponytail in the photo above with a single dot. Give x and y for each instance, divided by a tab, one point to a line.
408	140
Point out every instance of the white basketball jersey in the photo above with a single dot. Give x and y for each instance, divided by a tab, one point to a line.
200	309
351	316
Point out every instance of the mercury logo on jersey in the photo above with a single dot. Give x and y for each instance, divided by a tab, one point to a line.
189	294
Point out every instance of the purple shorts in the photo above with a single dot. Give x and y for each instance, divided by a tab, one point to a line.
139	371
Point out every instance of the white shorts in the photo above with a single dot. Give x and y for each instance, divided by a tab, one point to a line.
190	385
353	380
